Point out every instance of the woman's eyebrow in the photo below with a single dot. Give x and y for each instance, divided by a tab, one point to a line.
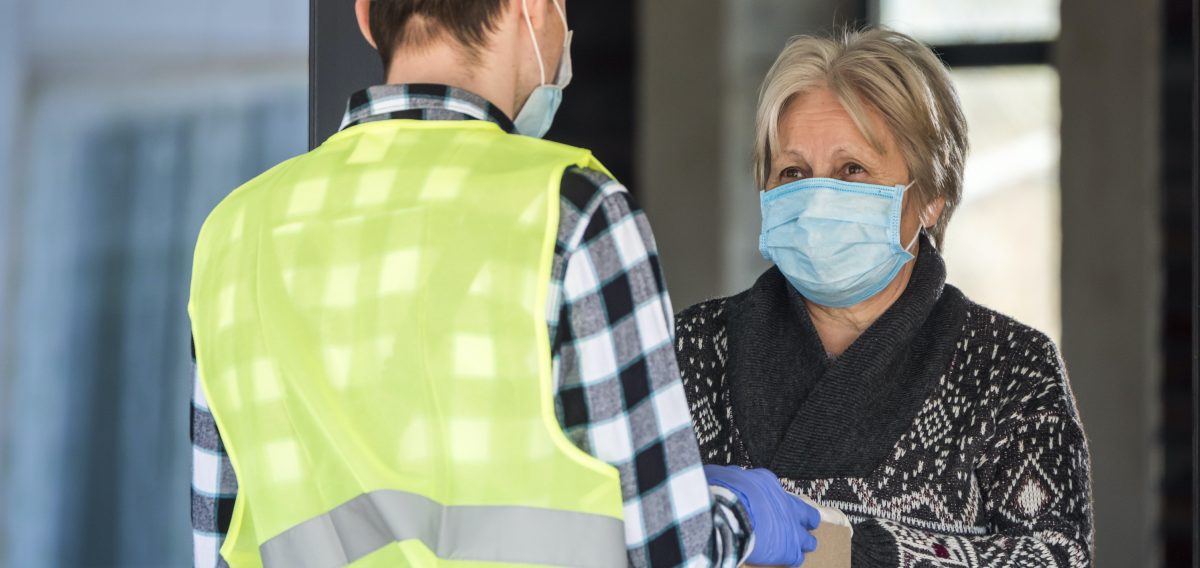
866	155
792	154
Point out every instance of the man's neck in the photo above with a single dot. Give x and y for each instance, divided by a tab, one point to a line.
443	63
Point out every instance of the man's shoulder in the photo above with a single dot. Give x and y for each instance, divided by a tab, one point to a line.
232	207
586	188
591	202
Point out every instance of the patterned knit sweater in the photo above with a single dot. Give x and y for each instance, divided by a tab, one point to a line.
947	432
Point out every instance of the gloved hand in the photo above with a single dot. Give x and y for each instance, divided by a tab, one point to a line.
781	521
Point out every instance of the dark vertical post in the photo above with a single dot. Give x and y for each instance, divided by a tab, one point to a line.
598	107
864	13
1121	311
1195	286
339	62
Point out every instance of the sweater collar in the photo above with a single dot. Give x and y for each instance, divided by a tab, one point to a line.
806	416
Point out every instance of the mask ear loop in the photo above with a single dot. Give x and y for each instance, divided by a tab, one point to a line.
914	240
561	14
562	75
920	230
533	36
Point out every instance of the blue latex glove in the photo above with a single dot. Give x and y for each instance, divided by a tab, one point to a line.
781	521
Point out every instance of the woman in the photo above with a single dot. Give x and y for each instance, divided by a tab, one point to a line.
945	431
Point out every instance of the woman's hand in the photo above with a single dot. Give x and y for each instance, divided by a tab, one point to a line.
781	521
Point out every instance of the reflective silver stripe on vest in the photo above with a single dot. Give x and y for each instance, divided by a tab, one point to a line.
520	535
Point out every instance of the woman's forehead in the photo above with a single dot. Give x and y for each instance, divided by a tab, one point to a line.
818	121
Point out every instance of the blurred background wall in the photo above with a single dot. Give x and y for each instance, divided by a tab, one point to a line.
123	122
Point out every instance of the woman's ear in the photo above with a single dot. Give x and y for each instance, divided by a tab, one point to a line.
933	212
362	10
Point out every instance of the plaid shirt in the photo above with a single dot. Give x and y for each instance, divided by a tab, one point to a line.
619	395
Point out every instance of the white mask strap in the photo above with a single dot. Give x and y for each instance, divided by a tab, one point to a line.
920	228
561	14
916	237
537	52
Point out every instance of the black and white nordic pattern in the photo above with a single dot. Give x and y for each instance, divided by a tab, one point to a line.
993	471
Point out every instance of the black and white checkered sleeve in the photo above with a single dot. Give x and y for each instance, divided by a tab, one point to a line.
214	486
620	394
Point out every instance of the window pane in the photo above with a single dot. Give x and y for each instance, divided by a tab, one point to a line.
972	21
1002	247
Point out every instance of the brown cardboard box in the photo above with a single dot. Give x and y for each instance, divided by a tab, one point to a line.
833	539
833	547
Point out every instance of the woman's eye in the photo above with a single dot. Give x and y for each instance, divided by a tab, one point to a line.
790	173
855	169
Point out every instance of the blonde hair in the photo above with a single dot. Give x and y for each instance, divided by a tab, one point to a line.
887	72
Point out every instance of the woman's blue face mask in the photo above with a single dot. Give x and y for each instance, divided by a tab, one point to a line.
837	242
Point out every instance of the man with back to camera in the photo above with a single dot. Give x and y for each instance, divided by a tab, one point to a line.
438	337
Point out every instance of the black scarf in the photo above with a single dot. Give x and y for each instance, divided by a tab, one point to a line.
804	416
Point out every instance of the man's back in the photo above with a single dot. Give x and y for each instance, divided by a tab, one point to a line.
447	228
616	382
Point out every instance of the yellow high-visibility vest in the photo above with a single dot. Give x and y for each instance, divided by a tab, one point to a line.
370	329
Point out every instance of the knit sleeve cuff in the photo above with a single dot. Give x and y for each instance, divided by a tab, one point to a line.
873	546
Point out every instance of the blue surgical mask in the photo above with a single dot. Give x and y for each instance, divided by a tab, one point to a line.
537	114
837	242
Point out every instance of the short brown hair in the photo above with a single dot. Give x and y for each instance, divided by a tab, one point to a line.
413	23
892	73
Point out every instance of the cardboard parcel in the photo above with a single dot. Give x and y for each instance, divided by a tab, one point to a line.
833	539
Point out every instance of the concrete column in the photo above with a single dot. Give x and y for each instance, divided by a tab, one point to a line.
12	74
680	139
702	62
1111	266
